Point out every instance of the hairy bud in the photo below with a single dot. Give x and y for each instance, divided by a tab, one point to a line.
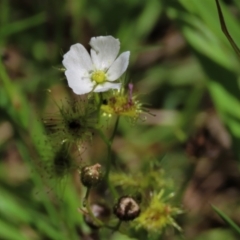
126	209
91	175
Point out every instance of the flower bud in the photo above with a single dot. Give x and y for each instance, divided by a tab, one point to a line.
126	209
91	175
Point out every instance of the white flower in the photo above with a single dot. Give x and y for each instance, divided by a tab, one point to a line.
97	72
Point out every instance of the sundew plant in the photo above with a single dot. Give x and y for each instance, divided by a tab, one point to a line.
119	120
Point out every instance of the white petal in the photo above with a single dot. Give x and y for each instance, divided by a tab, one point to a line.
78	58
104	51
107	86
118	67
79	83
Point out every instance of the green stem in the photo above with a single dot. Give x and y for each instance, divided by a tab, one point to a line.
104	138
86	197
89	210
115	129
98	222
117	226
109	157
98	98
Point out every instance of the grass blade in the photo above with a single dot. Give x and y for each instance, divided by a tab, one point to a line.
225	30
227	220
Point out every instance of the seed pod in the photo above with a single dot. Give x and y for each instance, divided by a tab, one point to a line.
100	211
126	209
91	175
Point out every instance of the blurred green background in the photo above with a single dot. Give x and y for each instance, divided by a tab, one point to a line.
182	67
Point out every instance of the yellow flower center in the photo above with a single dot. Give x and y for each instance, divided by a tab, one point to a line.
99	77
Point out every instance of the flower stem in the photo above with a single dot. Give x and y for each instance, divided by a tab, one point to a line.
109	155
115	129
104	138
117	226
86	197
89	210
98	99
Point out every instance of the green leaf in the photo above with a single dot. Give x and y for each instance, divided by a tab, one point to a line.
8	231
21	25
